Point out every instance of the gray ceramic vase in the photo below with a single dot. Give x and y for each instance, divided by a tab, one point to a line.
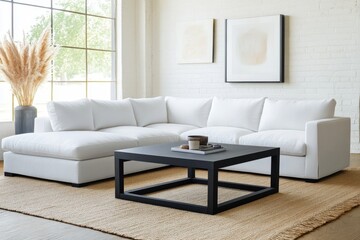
24	119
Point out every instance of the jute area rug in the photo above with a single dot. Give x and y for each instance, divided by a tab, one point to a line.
299	208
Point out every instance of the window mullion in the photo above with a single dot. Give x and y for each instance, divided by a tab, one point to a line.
95	74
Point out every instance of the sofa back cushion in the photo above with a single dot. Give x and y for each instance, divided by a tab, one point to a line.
109	113
149	110
241	113
189	111
293	114
72	115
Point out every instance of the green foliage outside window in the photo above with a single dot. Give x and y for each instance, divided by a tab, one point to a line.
85	63
69	30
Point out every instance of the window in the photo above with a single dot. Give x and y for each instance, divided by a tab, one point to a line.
85	63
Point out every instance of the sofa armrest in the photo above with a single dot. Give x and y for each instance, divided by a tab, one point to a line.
42	124
327	146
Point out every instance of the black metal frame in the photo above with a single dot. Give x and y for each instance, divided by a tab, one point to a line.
282	55
213	207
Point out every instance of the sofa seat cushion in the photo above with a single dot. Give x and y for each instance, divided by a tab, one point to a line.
291	142
75	145
144	135
229	135
172	127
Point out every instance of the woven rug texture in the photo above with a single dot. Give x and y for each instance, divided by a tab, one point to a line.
299	208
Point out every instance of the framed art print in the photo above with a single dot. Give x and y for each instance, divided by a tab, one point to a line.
195	41
254	49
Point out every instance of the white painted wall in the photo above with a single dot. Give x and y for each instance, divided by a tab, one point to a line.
134	48
322	52
126	44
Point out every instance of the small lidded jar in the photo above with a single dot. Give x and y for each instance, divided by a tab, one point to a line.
194	142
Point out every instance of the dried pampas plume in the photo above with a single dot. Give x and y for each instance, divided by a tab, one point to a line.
25	65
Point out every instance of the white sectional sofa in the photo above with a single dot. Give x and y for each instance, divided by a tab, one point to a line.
76	143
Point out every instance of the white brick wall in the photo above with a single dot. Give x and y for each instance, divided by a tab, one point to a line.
322	52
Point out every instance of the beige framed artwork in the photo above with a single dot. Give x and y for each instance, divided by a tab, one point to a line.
195	41
254	49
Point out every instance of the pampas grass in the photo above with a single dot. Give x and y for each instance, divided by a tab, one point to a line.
26	65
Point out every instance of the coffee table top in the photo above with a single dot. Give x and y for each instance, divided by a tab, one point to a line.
161	153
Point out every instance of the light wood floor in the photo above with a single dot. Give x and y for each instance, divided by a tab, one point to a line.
19	226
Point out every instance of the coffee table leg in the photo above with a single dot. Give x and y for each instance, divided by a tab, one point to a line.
119	177
212	190
275	162
191	172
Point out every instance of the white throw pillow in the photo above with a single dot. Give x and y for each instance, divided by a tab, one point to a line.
149	110
242	113
109	113
293	114
72	115
190	111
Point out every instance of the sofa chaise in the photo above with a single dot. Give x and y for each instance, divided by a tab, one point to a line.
75	144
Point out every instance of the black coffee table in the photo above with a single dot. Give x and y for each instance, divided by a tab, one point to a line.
161	153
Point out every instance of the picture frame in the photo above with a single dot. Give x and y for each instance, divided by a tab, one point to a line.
195	41
254	50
